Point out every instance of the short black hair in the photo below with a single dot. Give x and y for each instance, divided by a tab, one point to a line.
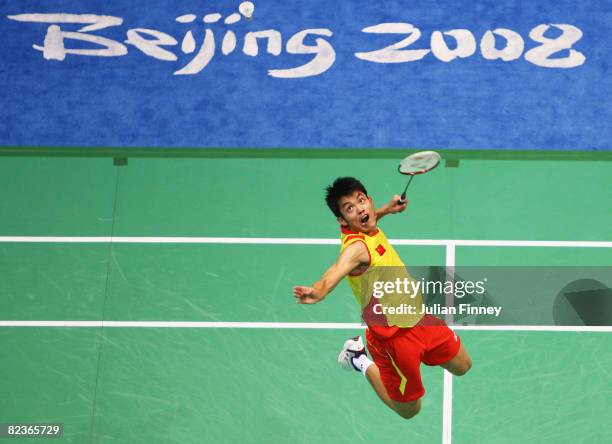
342	186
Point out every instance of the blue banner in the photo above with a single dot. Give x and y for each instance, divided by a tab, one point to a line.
349	73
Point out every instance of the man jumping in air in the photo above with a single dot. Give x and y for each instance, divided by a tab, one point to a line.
398	341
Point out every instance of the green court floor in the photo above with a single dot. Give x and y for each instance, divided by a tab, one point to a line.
277	385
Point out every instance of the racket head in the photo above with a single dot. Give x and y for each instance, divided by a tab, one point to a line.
419	163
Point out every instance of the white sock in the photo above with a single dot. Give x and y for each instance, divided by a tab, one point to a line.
362	363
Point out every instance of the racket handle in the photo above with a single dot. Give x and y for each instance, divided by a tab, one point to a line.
402	199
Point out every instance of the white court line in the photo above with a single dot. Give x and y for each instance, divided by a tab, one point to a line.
169	240
187	324
287	325
555	328
449	300
297	241
447	384
447	408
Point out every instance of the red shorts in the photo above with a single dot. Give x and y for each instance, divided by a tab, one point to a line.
399	357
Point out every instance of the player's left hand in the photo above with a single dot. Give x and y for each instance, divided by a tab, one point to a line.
305	295
394	207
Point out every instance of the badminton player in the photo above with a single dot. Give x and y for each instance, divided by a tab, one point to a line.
398	343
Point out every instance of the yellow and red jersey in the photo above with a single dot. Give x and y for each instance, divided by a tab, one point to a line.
384	265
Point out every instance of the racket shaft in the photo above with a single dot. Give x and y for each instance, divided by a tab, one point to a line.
403	197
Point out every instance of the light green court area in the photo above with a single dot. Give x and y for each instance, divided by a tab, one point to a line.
227	385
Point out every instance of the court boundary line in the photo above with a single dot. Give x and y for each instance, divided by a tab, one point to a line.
286	325
447	381
298	241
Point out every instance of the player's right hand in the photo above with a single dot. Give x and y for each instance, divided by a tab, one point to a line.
304	295
397	205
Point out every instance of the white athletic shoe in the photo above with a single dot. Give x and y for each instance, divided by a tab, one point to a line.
353	348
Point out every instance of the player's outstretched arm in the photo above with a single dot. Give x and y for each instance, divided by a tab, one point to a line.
352	257
392	207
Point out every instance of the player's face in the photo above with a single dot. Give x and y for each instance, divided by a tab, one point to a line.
358	212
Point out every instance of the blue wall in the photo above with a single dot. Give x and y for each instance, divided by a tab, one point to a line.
468	103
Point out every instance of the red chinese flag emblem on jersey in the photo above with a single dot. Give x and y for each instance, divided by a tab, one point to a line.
380	250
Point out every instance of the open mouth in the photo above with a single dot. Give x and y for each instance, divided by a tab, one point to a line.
365	218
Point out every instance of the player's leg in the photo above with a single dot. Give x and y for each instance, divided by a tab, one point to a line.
384	375
373	377
354	356
460	364
447	352
405	409
396	377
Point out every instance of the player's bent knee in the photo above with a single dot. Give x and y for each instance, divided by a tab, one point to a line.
408	411
408	415
463	368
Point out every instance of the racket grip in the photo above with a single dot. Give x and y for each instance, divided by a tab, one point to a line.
402	199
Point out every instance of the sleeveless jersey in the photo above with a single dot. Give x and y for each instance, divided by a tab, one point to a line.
382	289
